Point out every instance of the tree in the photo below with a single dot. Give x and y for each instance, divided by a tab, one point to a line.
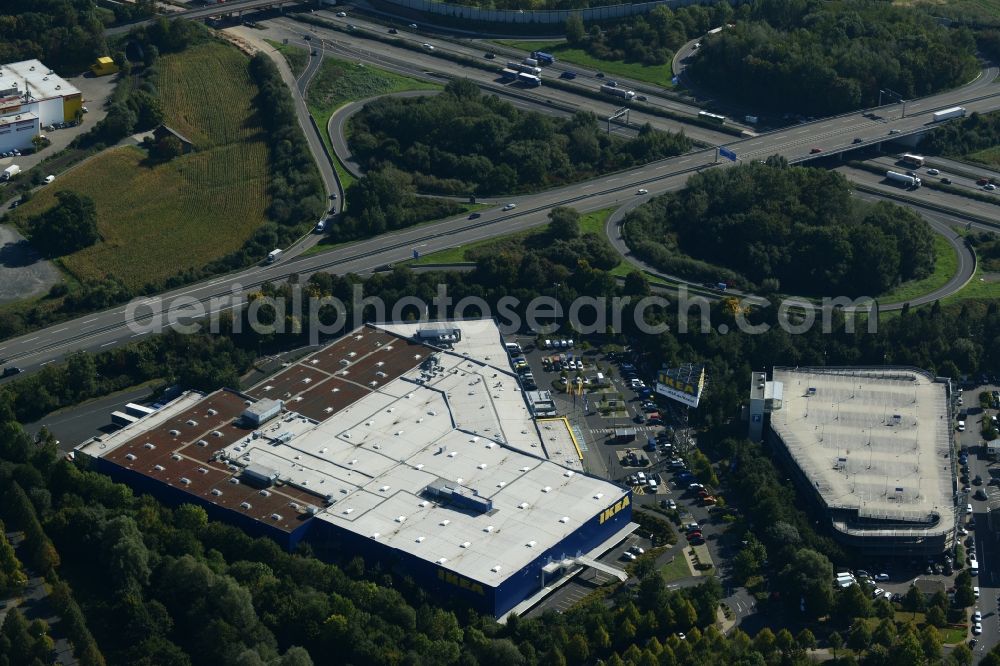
168	148
930	641
806	639
575	32
936	616
913	600
68	226
860	637
852	602
564	223
836	642
807	576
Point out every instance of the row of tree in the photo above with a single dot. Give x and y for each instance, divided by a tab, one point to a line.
463	142
770	225
818	58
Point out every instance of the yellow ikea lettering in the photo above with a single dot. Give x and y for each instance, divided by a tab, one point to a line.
680	386
610	512
460	581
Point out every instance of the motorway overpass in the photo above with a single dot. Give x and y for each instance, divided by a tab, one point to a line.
112	327
235	7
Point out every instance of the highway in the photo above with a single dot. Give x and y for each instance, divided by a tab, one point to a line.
105	329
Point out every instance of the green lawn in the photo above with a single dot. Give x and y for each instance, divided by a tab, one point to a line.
676	569
296	56
981	286
659	75
945	266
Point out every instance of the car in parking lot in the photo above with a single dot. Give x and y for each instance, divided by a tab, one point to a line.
977	617
975	591
968	509
638	550
894	131
813	151
882	577
630	556
857	139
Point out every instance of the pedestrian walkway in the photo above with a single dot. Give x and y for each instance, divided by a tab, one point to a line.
637	429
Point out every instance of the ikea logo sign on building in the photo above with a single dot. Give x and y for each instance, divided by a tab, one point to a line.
460	581
610	512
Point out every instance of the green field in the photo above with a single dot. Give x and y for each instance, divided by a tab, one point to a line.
296	56
945	267
659	75
158	220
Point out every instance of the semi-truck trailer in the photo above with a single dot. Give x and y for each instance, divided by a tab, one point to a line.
10	172
521	67
614	91
903	179
947	114
542	57
510	74
531	62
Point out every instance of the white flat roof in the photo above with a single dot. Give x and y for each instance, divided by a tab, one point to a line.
874	440
42	82
465	422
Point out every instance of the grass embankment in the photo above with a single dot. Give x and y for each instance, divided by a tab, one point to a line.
296	56
989	157
592	222
945	267
981	286
339	82
659	75
156	220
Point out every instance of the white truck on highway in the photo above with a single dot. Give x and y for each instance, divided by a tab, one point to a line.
903	179
947	114
617	92
273	255
10	172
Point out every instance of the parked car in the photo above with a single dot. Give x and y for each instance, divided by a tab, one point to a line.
882	577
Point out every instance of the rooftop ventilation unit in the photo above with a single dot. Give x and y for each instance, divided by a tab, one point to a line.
458	496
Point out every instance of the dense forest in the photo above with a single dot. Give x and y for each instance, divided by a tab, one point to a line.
963	136
650	39
182	590
463	142
770	227
66	35
818	58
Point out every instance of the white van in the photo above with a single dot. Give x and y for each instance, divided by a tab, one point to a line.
512	348
974	566
642	478
961	426
273	255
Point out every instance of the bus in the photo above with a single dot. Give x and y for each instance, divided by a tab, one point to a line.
529	79
712	117
913	161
